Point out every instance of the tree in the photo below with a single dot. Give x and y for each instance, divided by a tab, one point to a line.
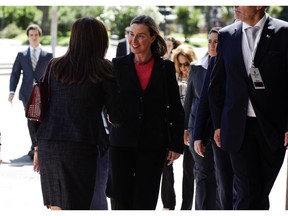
188	18
117	18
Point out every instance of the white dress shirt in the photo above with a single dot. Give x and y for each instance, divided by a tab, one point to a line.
248	55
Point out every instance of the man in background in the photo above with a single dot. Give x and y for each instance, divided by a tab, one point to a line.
123	47
32	63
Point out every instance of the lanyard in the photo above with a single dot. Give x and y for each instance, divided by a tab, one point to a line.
252	53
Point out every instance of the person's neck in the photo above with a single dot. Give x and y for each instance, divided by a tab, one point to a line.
255	20
141	60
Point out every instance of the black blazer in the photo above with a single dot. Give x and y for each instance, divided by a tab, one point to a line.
231	87
144	114
74	113
23	63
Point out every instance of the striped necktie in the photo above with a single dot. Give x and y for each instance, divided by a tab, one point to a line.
34	59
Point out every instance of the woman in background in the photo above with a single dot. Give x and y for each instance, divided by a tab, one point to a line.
171	44
182	57
206	154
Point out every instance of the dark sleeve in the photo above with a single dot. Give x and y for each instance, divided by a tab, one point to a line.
188	98
176	110
112	101
16	72
203	125
216	90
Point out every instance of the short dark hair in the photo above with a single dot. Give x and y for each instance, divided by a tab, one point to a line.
33	27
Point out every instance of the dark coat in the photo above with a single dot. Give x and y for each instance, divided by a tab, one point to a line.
144	124
122	47
231	87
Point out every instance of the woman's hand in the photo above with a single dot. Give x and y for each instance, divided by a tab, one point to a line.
35	160
186	137
172	156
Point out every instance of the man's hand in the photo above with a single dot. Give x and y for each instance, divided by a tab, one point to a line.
286	140
199	147
217	137
10	98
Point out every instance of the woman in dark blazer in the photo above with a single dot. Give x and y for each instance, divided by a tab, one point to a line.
140	146
72	134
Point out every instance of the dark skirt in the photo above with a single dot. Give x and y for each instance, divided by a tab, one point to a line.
67	172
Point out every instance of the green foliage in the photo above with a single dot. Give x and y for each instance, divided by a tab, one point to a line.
68	14
22	16
10	31
188	18
117	18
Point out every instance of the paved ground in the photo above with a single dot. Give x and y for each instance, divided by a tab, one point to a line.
20	187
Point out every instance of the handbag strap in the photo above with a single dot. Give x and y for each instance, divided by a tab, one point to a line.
47	70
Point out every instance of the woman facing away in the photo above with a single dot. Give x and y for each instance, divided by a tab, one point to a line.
140	147
72	134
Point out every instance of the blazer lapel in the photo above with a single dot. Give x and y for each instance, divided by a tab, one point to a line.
238	41
266	38
131	70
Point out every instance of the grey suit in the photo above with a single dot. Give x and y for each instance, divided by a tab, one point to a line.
23	64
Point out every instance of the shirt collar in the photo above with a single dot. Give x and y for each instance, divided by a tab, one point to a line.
38	48
202	62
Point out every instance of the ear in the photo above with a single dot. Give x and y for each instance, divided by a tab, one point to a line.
153	38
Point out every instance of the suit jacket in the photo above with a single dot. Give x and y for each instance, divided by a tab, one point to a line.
23	63
75	112
122	47
231	87
203	125
195	82
144	118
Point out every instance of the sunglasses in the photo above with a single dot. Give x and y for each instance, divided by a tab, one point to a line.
186	64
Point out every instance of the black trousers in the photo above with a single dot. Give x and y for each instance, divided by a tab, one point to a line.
167	188
224	178
206	197
32	127
255	169
135	177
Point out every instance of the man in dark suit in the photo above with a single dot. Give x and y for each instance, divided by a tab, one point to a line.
248	98
32	62
123	47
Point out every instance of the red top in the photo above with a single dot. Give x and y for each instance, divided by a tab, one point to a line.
144	72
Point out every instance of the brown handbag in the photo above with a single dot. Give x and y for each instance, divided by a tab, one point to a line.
38	102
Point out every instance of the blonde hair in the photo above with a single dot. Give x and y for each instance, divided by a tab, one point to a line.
185	50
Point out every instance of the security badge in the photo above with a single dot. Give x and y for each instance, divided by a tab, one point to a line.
256	78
